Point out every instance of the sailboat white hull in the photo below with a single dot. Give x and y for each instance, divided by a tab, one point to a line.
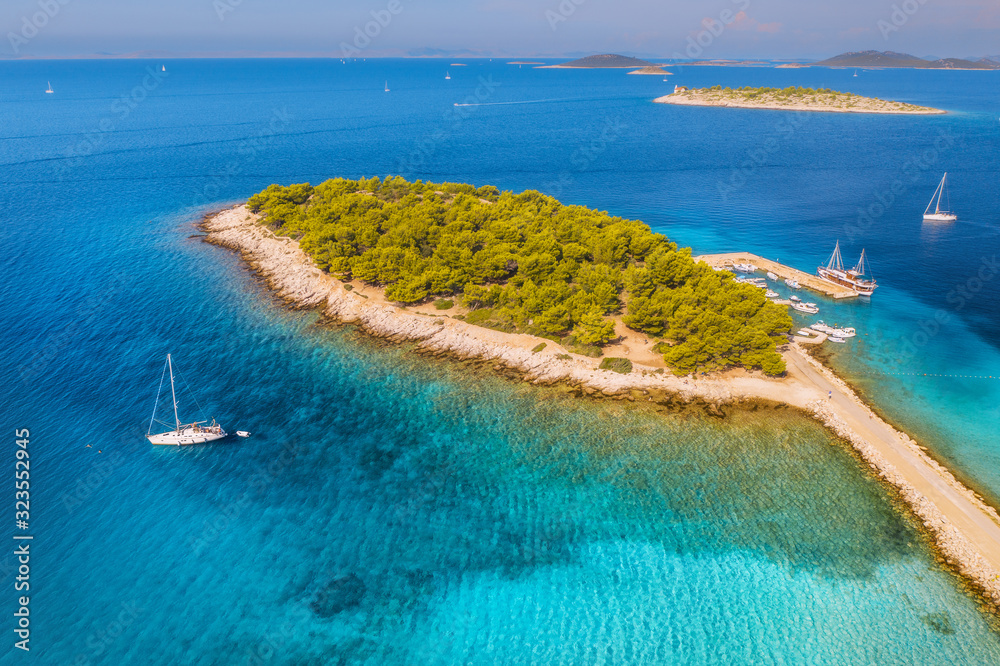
187	437
940	217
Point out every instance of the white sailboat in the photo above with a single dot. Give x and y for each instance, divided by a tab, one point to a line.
182	434
49	89
940	215
387	86
852	278
447	76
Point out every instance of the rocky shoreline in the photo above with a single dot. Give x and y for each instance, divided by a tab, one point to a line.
964	528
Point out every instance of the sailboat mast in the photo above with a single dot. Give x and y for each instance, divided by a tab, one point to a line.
173	395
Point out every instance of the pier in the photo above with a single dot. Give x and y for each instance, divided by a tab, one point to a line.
806	280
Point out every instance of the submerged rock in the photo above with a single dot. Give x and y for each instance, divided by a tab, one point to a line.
338	595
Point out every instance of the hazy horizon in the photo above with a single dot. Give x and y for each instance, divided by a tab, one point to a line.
764	29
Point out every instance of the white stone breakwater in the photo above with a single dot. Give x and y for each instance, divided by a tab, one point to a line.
965	529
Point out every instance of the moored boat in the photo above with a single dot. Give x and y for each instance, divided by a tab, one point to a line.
182	434
940	215
792	283
772	276
802	307
853	278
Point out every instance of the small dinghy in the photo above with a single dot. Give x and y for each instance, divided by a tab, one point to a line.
242	433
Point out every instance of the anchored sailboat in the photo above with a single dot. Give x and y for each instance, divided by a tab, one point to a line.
940	215
181	435
387	86
852	278
49	89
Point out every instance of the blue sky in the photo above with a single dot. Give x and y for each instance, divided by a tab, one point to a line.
725	28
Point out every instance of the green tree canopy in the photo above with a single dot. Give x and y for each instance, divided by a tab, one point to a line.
526	262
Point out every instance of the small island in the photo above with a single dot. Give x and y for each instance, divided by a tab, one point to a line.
525	263
603	61
543	290
891	59
791	99
655	70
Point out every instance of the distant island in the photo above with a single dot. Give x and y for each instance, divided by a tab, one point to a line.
604	61
655	70
727	63
887	59
791	99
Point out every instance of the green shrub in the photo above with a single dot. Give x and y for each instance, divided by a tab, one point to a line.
348	287
443	304
563	357
539	347
620	365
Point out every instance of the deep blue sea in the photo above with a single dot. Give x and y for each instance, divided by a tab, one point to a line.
391	509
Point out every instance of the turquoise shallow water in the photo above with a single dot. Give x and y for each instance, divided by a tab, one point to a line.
392	509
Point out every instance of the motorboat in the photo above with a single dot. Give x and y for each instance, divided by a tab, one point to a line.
844	332
802	307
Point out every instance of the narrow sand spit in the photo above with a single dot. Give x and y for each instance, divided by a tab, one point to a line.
965	529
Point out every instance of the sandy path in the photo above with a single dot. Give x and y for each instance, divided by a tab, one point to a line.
967	514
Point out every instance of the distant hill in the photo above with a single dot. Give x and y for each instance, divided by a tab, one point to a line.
608	60
893	59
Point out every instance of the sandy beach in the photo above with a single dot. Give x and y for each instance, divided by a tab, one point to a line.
965	529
